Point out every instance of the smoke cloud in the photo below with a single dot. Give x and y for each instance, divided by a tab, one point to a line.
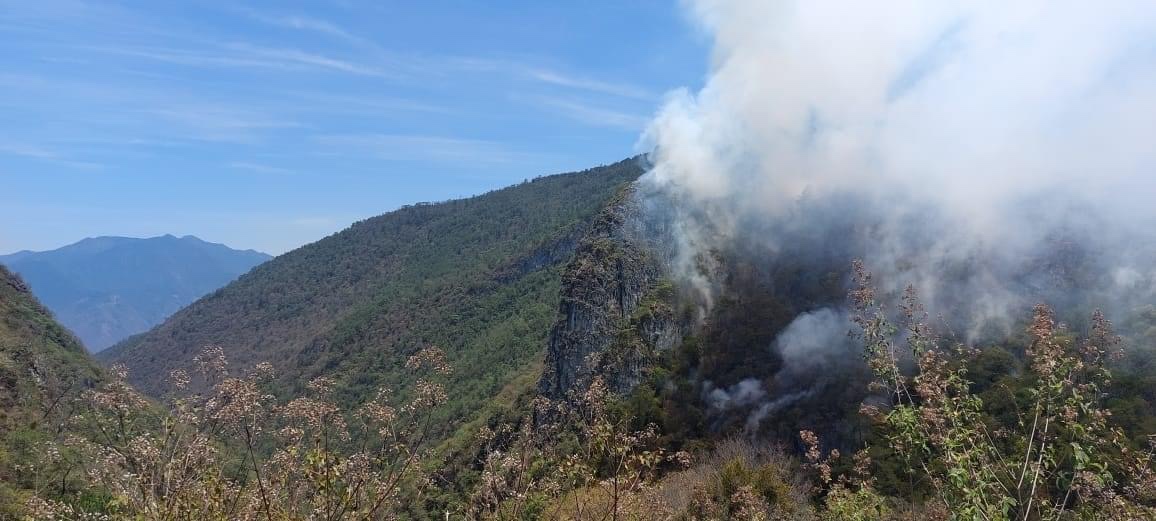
743	394
814	342
816	353
747	397
992	154
976	136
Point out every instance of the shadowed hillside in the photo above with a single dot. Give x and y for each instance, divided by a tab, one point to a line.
40	364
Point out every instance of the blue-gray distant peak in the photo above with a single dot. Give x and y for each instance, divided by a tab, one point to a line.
108	288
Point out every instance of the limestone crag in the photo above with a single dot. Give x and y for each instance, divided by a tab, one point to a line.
617	308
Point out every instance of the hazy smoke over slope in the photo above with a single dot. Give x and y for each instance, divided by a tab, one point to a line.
993	154
974	131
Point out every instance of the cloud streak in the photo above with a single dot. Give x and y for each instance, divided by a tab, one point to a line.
243	55
304	23
587	84
316	26
220	123
593	115
259	168
40	153
438	149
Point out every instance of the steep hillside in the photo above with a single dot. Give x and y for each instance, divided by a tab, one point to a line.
107	288
478	277
40	364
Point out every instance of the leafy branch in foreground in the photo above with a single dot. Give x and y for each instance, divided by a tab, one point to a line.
1060	459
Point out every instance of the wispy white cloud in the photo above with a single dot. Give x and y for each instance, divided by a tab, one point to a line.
593	115
220	123
40	153
305	23
308	59
191	57
588	84
242	55
525	70
211	117
26	150
369	104
259	168
119	141
399	147
308	24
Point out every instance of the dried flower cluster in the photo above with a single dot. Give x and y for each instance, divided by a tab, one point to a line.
584	463
208	456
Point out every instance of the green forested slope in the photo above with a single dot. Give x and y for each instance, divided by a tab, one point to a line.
41	363
477	277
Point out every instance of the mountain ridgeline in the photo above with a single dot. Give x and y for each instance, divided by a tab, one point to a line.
107	288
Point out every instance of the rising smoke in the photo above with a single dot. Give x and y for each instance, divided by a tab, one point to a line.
989	153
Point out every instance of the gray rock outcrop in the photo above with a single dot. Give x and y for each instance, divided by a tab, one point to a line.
617	308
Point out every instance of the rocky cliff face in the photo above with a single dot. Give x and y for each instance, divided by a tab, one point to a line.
617	308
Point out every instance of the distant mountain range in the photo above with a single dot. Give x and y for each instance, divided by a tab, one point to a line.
106	289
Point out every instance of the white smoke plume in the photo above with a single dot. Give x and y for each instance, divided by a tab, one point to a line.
769	408
743	394
816	353
969	131
750	397
813	342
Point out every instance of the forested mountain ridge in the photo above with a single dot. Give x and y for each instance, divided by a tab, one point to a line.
478	277
107	288
40	363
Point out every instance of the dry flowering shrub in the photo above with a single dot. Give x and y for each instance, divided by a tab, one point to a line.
50	510
207	457
331	467
517	469
583	463
1060	459
748	505
740	479
848	497
151	465
816	461
614	466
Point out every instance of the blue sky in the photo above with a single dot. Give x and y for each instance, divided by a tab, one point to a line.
270	125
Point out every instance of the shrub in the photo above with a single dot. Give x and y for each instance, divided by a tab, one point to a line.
205	457
1059	457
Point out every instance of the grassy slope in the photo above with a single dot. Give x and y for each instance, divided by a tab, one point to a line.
478	277
40	362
